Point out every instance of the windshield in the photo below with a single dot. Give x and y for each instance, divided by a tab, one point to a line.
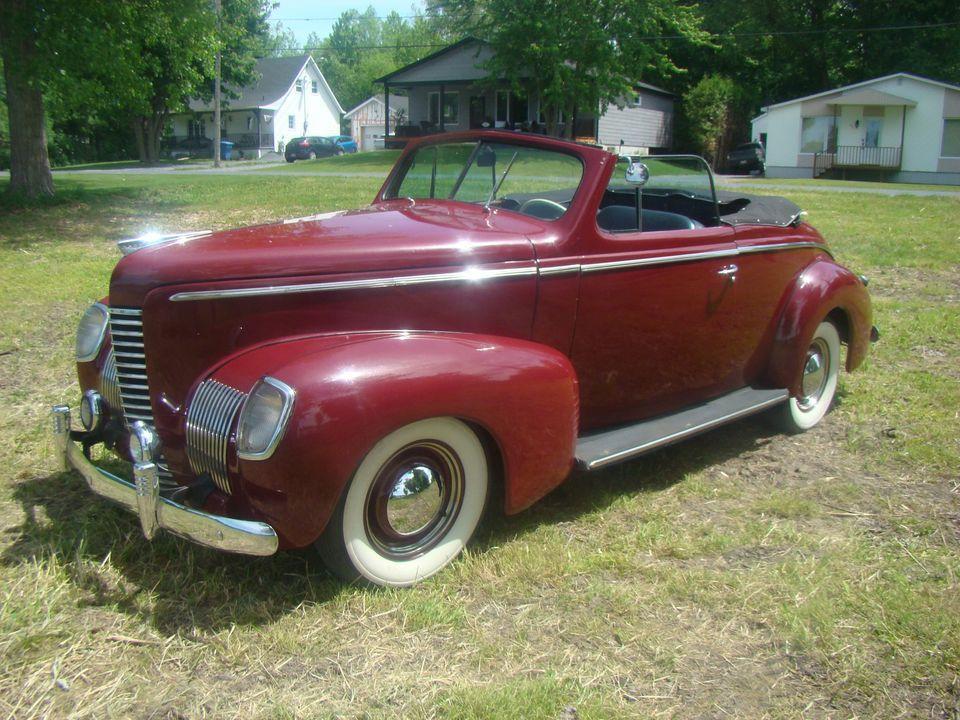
529	180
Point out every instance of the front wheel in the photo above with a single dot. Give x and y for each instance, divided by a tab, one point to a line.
411	507
821	368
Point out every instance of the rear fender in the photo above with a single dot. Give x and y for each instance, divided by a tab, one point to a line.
352	390
822	289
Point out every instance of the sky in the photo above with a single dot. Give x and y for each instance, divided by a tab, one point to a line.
323	13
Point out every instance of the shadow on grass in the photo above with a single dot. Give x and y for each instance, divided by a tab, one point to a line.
169	583
179	587
585	492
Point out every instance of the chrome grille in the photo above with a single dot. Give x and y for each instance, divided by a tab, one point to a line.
129	362
109	385
126	334
209	420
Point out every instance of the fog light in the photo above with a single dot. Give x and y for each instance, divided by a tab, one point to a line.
91	410
143	442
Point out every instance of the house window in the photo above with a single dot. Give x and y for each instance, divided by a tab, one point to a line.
314	87
503	107
638	100
196	128
451	108
291	120
950	146
818	134
519	108
249	122
299	85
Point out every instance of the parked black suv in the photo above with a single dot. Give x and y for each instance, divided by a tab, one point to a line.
308	148
747	157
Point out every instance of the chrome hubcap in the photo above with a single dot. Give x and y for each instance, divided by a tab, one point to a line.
815	369
414	499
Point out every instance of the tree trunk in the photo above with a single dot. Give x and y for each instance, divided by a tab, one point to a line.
29	163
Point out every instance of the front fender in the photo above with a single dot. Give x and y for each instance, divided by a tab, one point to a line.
821	289
353	389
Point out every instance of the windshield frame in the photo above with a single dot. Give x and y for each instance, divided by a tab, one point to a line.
390	189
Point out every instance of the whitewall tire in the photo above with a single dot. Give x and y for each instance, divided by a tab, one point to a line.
411	507
821	368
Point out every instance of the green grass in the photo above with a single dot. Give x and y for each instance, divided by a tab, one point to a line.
742	573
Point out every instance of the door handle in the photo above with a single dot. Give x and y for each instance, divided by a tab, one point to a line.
730	272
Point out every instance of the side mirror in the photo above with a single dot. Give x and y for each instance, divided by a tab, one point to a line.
637	173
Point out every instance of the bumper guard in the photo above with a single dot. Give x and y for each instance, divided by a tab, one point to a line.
247	537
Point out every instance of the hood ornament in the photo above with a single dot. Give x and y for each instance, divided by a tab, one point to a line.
153	239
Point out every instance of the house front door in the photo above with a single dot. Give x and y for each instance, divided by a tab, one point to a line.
478	111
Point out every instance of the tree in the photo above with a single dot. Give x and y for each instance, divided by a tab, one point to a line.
578	55
707	114
20	25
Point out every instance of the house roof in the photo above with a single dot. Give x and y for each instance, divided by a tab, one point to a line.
868	96
433	57
429	58
396	102
854	86
273	78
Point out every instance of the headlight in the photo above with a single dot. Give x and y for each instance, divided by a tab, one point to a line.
264	418
91	331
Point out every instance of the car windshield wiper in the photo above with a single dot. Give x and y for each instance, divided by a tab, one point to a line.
496	188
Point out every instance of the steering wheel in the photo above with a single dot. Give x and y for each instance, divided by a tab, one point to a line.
542	208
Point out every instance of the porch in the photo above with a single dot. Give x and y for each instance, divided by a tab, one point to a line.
450	107
864	133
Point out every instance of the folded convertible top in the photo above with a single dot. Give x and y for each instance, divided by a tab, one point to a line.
738	208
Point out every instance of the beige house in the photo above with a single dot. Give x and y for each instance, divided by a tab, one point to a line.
449	90
367	126
901	127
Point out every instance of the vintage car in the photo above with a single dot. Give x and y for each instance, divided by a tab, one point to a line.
510	307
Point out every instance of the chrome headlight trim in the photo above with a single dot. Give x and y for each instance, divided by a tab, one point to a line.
288	395
90	352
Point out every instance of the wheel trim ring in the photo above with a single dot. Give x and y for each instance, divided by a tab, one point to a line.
819	354
386	539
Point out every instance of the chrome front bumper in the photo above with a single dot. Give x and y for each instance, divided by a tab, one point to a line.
247	537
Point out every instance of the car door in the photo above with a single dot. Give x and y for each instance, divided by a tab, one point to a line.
652	329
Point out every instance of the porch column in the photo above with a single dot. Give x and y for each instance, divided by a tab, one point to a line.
440	109
259	131
386	111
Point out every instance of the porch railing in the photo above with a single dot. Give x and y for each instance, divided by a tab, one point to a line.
857	157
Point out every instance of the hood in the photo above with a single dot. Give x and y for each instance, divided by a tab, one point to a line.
386	236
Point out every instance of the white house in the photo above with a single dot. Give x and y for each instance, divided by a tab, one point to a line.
450	90
289	97
900	127
367	125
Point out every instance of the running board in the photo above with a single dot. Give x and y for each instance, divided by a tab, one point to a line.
611	446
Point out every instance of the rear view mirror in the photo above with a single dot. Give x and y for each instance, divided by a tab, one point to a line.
487	157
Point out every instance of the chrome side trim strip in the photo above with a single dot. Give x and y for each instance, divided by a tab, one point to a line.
466	275
658	260
559	270
707	255
773	247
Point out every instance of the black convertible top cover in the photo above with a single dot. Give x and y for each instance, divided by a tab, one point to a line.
741	209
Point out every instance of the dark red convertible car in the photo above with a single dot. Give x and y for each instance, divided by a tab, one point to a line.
509	308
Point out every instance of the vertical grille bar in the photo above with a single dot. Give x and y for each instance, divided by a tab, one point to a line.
210	417
129	365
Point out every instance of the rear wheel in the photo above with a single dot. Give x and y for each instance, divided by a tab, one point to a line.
821	368
312	155
289	159
339	152
411	507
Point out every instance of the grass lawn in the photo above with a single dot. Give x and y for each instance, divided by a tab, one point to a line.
743	573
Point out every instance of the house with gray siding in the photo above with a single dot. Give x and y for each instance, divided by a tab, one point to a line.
450	90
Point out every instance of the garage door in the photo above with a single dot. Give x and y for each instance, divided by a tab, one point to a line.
369	134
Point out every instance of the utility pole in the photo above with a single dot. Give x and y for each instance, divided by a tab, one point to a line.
216	94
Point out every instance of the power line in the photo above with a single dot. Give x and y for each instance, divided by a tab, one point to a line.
758	33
